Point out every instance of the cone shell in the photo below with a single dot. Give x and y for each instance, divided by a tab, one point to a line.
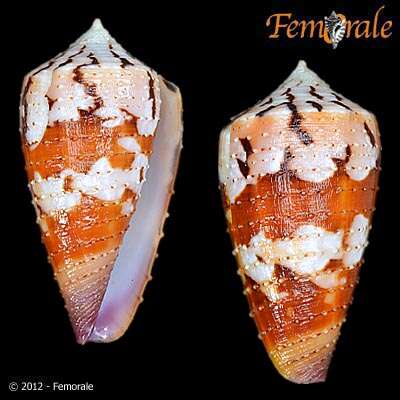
298	175
101	135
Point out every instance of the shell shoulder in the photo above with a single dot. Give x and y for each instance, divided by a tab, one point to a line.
305	92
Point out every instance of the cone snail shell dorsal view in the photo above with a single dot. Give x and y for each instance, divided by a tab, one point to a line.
101	136
298	174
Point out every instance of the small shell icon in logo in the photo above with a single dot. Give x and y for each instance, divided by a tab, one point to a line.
336	28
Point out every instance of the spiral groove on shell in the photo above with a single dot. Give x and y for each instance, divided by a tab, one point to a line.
94	120
298	174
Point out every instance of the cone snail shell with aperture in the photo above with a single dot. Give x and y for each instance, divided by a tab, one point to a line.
101	135
298	175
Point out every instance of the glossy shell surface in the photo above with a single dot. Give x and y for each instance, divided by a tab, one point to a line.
298	175
101	135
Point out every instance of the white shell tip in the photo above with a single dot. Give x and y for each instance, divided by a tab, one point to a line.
97	24
305	75
96	33
301	66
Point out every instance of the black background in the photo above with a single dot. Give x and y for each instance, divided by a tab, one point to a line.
193	334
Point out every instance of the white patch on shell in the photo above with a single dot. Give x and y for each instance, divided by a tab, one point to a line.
306	254
356	240
124	94
271	290
102	181
309	251
130	144
328	279
313	161
127	207
363	158
68	95
37	107
252	259
118	84
50	194
259	248
107	183
229	172
265	162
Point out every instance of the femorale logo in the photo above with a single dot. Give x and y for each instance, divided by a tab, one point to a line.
331	29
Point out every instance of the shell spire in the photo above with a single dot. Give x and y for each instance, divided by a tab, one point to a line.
298	175
97	29
96	35
95	135
304	74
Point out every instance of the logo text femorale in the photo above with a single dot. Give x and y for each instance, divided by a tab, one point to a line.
331	29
